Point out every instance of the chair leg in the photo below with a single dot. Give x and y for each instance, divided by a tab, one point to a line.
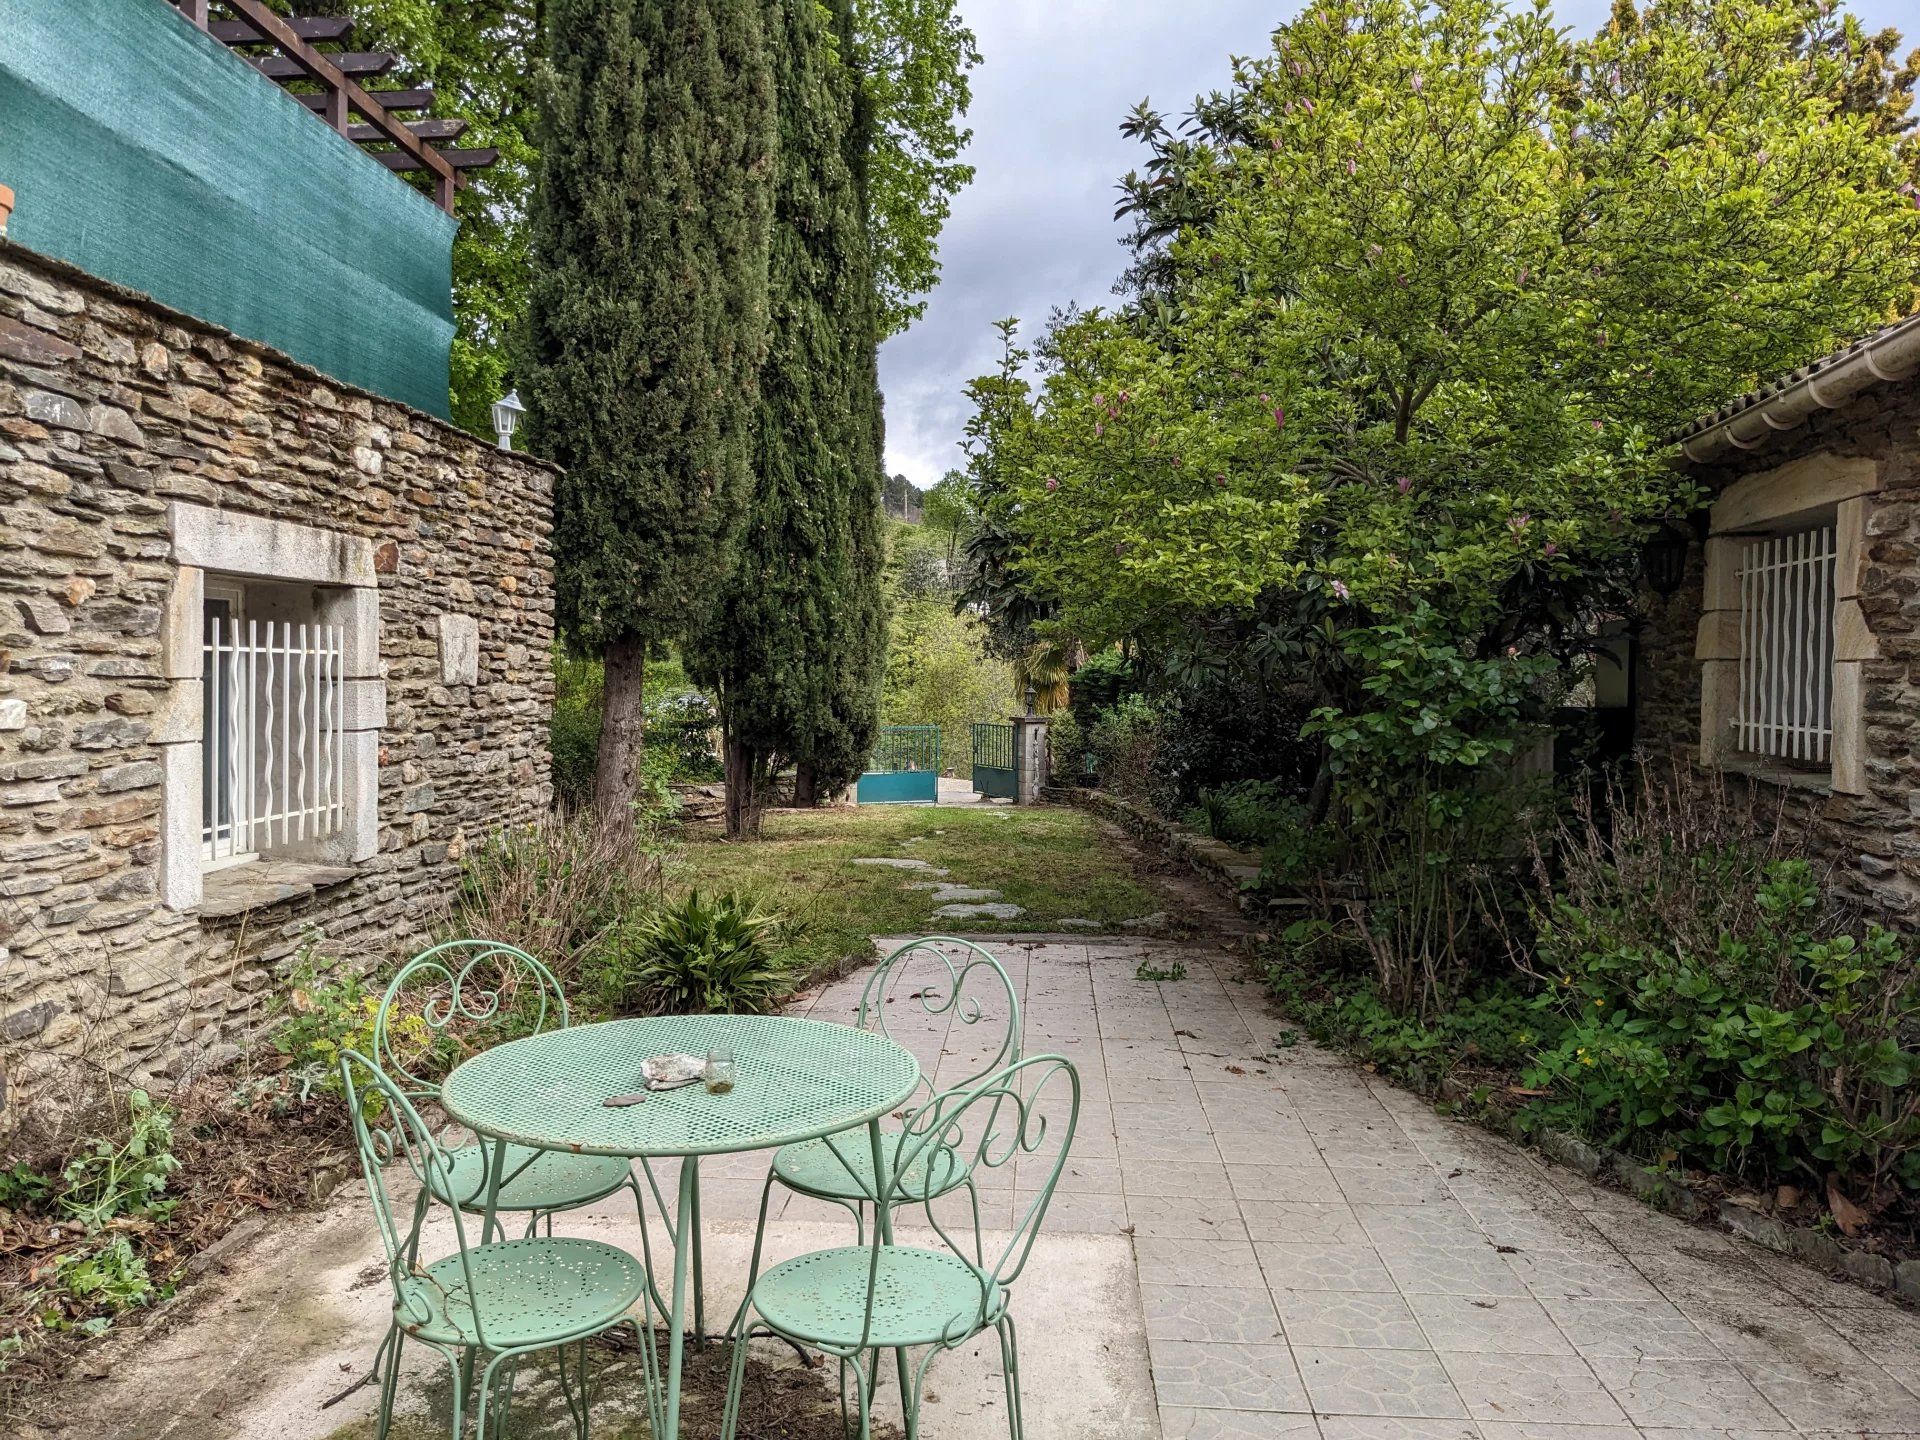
492	1425
646	1244
733	1330
578	1412
462	1366
1010	1365
389	1380
736	1377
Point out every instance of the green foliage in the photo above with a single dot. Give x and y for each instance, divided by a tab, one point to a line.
1778	1053
1124	744
698	956
941	672
656	146
326	1009
109	1279
912	58
1250	812
1066	748
680	728
1148	971
124	1175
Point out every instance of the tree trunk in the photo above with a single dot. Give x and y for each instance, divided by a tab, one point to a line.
743	799
623	718
806	789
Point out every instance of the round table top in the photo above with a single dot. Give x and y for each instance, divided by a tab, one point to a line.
794	1080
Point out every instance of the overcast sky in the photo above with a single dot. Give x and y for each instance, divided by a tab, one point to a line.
1035	229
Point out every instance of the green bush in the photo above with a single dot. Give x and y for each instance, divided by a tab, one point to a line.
1124	741
1253	813
680	723
1066	748
109	1179
721	955
1776	1053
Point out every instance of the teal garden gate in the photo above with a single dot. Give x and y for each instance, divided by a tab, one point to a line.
904	768
996	773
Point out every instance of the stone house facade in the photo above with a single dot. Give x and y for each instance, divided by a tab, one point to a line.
274	653
1787	655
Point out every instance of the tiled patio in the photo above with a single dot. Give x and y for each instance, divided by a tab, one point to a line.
1253	1239
1318	1249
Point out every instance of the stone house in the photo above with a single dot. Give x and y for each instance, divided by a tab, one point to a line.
274	648
1786	652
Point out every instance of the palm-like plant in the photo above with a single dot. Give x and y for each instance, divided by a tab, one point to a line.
700	956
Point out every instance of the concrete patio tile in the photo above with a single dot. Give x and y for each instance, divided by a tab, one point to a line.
1156	1177
1172	1148
1438	1222
1179	1422
1185	1217
1843	1393
1210	1312
1378	1382
1214	1375
1322	1267
1651	1328
1196	1262
1348	1319
1541	1389
1686	1392
1591	1274
1087	1174
1890	1337
1314	1183
1516	1430
1077	1212
1488	1325
1302	1222
1450	1269
1380	1427
1410	1184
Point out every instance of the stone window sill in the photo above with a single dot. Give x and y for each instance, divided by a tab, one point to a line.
1818	782
238	889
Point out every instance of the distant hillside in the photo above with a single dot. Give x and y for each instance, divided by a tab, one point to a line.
904	499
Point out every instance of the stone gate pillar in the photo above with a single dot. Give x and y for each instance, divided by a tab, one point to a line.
1030	763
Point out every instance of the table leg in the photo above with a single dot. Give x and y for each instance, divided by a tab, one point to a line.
883	1221
495	1173
699	1283
682	1255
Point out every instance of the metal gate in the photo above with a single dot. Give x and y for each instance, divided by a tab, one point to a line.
904	768
996	771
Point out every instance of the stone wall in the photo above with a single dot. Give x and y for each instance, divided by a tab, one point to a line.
1871	840
111	408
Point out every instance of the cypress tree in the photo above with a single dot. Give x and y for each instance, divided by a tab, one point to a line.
778	635
647	323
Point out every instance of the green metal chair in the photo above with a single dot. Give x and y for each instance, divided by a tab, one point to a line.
464	995
855	1302
839	1168
502	1300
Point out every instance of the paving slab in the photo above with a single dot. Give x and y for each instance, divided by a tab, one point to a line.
1251	1240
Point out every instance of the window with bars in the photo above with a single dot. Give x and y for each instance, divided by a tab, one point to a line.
273	722
1785	701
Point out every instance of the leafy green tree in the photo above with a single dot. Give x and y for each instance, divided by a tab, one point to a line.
776	639
647	323
1438	285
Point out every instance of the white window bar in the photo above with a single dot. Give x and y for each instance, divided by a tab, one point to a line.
275	736
1786	646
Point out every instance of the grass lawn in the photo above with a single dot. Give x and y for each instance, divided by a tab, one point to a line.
1053	863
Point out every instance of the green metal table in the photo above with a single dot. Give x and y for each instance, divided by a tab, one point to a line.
795	1080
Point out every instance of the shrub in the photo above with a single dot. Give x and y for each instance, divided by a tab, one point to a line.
698	956
575	729
1225	728
1124	741
1066	748
109	1179
556	889
680	724
1774	1052
1250	812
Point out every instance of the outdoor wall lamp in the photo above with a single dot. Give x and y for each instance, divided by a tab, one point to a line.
507	411
1663	559
1032	695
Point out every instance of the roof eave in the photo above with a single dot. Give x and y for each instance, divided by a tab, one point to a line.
1752	423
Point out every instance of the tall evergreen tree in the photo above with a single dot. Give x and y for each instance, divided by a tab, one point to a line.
647	323
770	646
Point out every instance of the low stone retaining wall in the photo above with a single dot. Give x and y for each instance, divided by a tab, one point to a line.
1228	868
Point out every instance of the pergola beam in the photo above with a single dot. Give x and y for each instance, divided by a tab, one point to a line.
307	27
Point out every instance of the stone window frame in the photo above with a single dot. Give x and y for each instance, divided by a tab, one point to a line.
1802	491
229	543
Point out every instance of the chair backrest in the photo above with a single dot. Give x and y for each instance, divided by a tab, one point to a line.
455	998
957	989
1028	1108
387	1128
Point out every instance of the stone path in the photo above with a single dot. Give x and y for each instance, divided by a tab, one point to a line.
1251	1241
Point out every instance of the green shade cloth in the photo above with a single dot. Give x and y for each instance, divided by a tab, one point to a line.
144	152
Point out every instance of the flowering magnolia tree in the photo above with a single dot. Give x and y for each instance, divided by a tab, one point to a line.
1419	301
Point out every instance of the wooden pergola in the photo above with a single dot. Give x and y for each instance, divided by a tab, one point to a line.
284	49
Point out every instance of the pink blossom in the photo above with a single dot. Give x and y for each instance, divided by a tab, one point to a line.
1053	482
1099	430
1351	167
1124	397
1525	271
1279	417
1221	481
1265	398
1406	484
1119	549
1520	522
1417	83
1340	589
1551	549
1596	427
